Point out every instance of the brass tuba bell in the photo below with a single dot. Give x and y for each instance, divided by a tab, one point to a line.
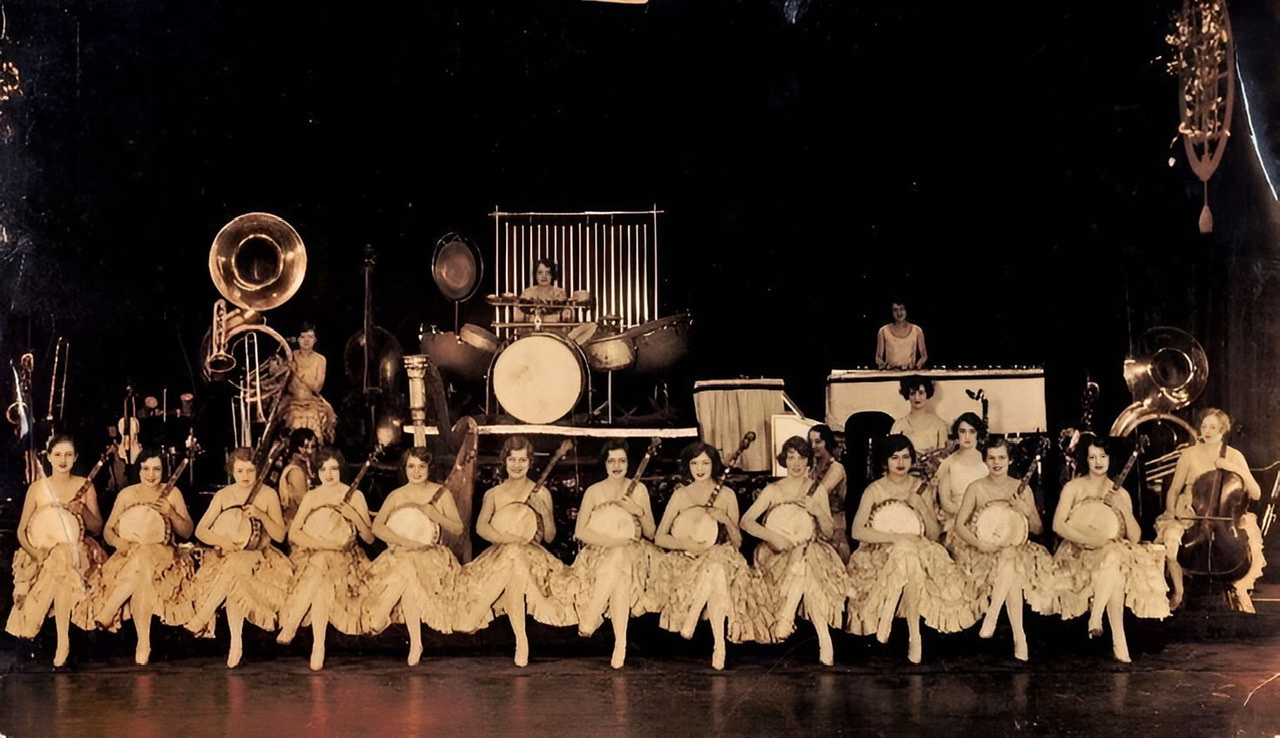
257	262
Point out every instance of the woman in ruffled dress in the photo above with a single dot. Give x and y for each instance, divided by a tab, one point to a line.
807	572
54	572
146	576
248	578
621	570
516	575
900	569
710	578
329	564
412	582
1101	573
1002	576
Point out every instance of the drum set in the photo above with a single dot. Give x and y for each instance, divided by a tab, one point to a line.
542	371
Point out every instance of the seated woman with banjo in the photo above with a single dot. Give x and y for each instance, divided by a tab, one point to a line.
147	575
57	561
900	569
794	559
245	574
413	581
1100	563
708	573
622	573
328	563
516	574
1002	569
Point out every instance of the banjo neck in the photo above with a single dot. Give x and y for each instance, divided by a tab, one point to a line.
747	440
560	453
261	475
644	463
364	469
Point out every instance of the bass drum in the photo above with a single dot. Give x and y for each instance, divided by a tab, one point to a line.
539	378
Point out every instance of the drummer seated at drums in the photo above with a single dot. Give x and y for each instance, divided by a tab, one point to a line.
546	274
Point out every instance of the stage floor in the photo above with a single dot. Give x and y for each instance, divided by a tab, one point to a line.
1208	681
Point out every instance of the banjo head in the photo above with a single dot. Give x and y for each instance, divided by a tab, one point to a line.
896	516
516	519
998	522
696	523
1097	517
412	523
144	524
328	524
610	519
244	530
793	522
51	525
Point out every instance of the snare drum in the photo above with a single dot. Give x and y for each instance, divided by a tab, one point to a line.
144	524
1000	523
540	378
412	523
1095	517
896	516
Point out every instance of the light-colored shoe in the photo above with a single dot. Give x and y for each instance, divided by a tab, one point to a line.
717	658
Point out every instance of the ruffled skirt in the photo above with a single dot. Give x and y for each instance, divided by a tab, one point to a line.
879	572
1139	565
748	603
38	584
641	567
161	575
255	582
548	588
1032	567
815	570
413	584
334	578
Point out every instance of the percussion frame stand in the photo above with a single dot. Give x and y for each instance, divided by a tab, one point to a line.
608	402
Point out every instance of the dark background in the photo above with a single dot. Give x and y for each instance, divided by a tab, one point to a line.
1005	171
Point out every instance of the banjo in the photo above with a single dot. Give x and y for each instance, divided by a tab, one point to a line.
411	521
792	520
55	524
1000	522
235	522
518	518
610	518
1096	516
327	523
144	523
899	516
695	522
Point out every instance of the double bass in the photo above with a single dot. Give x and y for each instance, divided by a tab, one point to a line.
374	412
1216	544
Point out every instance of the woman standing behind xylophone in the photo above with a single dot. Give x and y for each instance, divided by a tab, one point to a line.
516	574
413	581
620	570
329	565
1002	574
58	560
1100	562
900	570
246	575
146	571
709	574
800	565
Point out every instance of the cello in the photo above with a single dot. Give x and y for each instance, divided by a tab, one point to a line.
1216	544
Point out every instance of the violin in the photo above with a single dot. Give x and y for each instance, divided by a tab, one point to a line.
1216	545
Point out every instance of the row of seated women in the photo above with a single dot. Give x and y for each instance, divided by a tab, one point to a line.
687	567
